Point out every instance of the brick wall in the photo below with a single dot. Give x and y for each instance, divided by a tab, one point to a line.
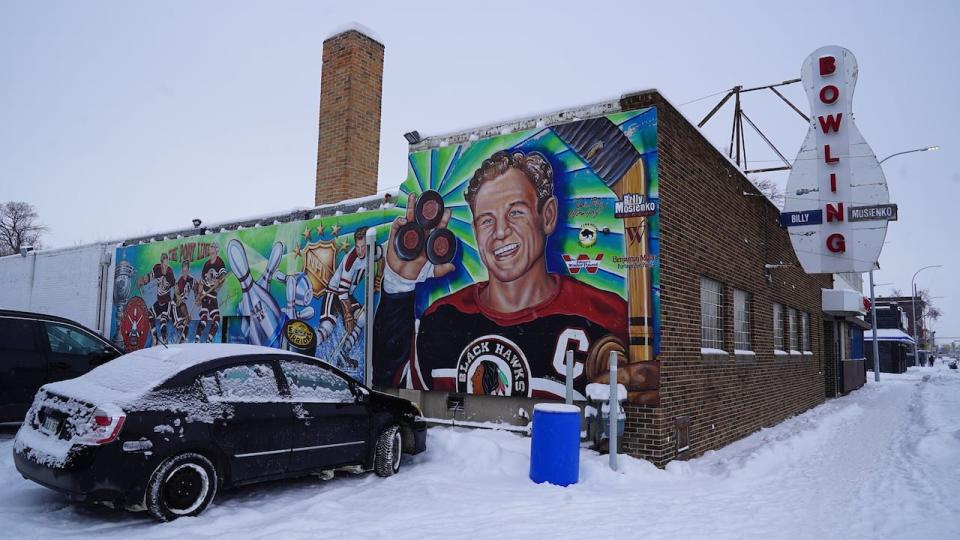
709	228
351	86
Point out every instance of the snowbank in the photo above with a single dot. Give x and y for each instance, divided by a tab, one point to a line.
878	463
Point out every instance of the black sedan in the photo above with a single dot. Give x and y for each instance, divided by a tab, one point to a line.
163	429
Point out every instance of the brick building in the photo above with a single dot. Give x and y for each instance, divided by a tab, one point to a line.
742	330
765	351
718	235
737	331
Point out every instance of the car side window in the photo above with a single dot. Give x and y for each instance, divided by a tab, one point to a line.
16	335
250	382
310	382
67	339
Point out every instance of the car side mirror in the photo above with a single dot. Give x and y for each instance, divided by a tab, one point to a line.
360	393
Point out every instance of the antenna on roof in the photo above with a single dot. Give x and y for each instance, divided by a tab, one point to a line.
738	143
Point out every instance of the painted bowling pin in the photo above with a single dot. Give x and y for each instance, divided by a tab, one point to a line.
262	317
835	171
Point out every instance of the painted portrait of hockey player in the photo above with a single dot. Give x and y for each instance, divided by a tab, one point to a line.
546	250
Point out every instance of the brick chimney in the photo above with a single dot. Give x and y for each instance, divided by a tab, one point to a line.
351	86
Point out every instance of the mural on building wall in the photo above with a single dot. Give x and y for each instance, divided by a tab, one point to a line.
548	226
297	285
500	255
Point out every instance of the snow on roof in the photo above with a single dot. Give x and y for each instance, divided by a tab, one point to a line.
354	25
132	374
359	204
889	334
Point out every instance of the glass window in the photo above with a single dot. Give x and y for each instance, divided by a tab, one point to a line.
711	313
741	320
778	327
805	331
246	382
71	340
792	329
310	382
16	334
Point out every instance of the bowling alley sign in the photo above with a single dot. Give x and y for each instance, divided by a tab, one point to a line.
837	204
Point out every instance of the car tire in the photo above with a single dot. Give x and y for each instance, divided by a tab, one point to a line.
389	448
183	485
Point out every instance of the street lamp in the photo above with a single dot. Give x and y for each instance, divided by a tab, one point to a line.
913	305
927	149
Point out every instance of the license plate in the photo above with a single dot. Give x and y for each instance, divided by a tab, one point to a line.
50	425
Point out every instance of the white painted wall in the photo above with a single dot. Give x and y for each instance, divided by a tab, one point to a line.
64	282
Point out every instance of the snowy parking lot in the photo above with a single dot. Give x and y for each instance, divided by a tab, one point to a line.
879	463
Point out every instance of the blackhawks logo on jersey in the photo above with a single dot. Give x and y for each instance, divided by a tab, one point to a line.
493	366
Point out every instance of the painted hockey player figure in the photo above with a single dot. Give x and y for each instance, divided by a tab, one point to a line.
340	300
162	276
212	276
181	311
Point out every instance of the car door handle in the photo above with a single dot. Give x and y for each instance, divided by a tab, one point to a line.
60	365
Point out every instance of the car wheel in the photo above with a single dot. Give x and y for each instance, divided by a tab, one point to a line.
181	486
389	449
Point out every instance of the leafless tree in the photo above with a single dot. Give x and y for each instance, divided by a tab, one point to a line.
770	188
19	227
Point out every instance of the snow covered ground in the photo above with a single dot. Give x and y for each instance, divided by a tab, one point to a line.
883	462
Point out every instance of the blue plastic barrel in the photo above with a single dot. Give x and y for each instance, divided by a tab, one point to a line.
555	444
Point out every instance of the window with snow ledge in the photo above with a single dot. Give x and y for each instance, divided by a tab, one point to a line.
792	336
741	320
780	353
711	314
712	356
805	332
808	353
778	328
744	356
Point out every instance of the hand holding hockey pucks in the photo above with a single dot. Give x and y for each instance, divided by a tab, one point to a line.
424	232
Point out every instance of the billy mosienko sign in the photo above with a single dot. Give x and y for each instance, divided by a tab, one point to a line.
836	198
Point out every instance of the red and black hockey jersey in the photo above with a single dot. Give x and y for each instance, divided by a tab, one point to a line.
462	346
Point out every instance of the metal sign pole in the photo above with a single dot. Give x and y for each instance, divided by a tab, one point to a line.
614	409
876	338
569	378
916	335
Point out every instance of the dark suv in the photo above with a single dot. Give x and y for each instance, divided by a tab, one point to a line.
36	349
164	428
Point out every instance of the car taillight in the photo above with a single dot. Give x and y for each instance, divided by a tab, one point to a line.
106	425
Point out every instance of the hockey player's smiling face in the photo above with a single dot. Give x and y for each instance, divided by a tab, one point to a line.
510	231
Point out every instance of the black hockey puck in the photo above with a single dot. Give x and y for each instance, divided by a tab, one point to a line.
441	246
429	209
408	243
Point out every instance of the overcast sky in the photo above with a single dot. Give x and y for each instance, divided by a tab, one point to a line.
121	118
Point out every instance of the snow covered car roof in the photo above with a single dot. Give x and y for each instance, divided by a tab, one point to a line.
133	374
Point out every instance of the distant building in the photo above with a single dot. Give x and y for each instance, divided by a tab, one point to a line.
908	307
895	344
